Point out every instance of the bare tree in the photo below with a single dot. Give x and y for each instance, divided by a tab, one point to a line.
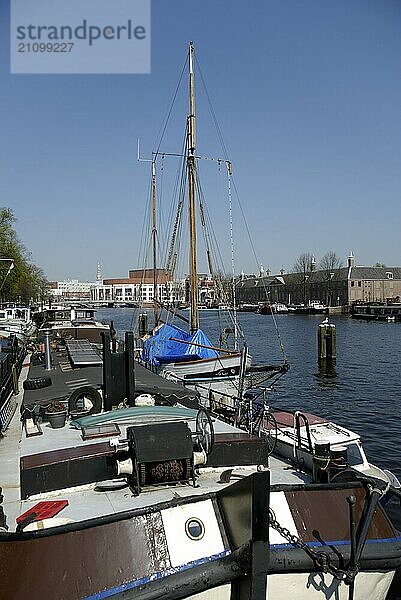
302	270
330	262
303	264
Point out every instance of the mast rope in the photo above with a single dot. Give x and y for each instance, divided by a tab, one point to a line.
213	251
164	124
224	148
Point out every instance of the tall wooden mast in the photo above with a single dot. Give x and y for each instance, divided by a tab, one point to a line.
193	276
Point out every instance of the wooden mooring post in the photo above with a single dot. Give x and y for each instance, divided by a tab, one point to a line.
326	341
143	324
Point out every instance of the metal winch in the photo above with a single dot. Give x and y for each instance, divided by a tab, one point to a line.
164	452
161	453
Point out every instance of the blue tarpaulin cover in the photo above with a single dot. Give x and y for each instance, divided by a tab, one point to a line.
160	348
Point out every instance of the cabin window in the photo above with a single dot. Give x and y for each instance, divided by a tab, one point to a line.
354	455
103	430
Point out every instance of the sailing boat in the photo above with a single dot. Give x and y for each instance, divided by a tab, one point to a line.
189	356
157	500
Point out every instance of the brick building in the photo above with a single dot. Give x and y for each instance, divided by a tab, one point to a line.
339	287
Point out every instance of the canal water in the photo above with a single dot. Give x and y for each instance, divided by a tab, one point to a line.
362	392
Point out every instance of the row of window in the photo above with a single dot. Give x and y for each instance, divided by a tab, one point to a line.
389	275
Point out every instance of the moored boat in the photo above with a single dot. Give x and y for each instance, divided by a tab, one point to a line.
314	307
248	307
71	322
188	356
378	311
158	498
18	321
267	308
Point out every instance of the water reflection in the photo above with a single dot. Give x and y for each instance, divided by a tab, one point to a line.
327	373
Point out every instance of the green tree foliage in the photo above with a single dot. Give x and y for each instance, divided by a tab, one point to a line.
23	281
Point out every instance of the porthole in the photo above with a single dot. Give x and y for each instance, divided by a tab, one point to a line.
195	529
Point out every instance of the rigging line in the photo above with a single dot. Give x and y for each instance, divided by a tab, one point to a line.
230	207
175	231
171	213
163	127
224	148
256	259
163	253
171	264
142	246
159	213
211	109
203	222
215	251
177	193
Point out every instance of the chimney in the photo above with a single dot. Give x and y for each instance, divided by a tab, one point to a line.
313	264
351	260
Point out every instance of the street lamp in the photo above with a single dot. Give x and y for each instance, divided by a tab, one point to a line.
306	277
331	275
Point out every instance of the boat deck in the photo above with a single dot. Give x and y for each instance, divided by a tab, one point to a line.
21	455
65	379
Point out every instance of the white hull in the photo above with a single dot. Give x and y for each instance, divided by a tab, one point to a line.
22	332
216	392
211	366
313	586
16	320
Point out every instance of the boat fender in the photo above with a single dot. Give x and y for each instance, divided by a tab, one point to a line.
37	383
145	400
85	391
200	458
125	467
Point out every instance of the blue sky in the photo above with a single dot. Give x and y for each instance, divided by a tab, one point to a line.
307	95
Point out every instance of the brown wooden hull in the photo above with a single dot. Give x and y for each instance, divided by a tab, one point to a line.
105	556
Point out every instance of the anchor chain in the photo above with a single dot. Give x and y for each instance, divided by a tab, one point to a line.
320	559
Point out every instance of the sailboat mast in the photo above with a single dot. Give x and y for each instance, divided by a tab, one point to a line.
154	244
193	276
